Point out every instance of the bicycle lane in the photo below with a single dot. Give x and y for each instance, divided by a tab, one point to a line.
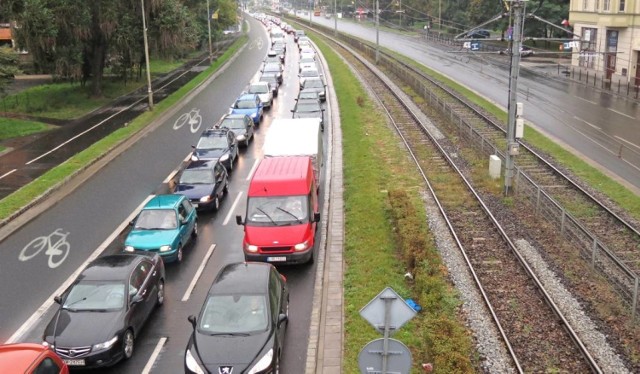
97	207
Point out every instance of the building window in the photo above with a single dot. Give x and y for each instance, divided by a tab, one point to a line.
621	7
606	5
584	4
597	6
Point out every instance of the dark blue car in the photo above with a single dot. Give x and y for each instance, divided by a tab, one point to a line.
250	105
204	183
217	144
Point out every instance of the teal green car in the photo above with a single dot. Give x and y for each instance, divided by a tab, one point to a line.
165	225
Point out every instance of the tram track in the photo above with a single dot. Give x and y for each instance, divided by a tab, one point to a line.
522	309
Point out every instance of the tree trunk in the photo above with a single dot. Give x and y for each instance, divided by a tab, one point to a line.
98	50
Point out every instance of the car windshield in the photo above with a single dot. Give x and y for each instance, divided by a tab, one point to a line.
277	210
233	123
234	314
259	89
309	73
308	106
95	296
271	68
156	219
313	83
245	104
196	177
307	60
212	142
307	95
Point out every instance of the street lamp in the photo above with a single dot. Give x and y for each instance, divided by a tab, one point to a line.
146	56
209	26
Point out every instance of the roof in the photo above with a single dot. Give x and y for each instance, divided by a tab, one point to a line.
5	34
163	201
111	267
306	132
19	357
202	164
242	277
247	96
280	176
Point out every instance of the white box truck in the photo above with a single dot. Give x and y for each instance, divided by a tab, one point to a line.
296	137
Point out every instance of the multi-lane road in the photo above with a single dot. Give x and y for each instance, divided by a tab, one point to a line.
93	220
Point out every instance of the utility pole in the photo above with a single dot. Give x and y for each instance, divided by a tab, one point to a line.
146	56
209	26
377	33
517	15
335	18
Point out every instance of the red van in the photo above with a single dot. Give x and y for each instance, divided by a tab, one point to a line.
30	359
282	212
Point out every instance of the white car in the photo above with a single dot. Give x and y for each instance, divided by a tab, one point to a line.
307	63
308	73
263	90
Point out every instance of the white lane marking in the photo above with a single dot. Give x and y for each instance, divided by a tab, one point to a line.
232	210
622	114
626	141
588	123
192	285
253	169
589	101
7	173
35	317
154	356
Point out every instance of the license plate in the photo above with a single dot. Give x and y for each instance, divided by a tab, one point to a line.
194	205
74	362
277	259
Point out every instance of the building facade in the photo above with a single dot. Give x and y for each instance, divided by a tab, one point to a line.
609	32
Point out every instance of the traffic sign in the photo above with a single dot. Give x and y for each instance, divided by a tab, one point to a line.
371	356
399	311
475	46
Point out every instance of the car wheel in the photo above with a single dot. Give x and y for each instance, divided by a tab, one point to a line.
312	258
160	299
194	233
179	253
127	344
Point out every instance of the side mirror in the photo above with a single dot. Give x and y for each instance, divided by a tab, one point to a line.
57	299
193	146
239	220
183	221
316	217
282	318
193	321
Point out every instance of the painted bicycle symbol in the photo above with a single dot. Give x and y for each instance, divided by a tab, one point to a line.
193	118
257	43
57	250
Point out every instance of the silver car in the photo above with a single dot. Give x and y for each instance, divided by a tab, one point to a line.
263	90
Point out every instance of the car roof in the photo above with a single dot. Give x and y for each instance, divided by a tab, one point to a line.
233	116
19	357
216	131
163	201
247	96
242	277
202	164
112	267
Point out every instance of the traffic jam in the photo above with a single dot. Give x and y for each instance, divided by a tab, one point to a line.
242	323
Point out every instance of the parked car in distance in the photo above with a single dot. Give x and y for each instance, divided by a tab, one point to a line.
297	34
524	51
309	108
316	84
241	125
263	90
30	358
217	144
103	311
308	94
242	325
249	104
273	68
478	34
164	225
273	82
204	183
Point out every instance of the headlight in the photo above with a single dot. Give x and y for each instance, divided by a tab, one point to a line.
205	199
194	157
251	248
264	363
241	137
191	363
129	248
165	248
224	157
301	246
253	115
106	345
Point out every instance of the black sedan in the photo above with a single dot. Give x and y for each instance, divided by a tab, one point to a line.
204	183
242	324
309	108
317	85
273	82
104	309
217	144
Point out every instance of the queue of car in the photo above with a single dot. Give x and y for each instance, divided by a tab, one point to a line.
242	324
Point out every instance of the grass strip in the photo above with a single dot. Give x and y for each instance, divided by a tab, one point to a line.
373	163
25	195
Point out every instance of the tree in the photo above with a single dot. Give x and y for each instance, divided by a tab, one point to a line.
8	67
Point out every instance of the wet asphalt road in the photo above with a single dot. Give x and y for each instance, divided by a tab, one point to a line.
95	217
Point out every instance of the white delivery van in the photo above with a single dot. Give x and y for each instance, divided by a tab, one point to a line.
296	137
